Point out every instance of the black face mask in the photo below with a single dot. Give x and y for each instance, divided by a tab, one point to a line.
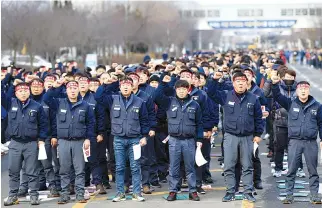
288	82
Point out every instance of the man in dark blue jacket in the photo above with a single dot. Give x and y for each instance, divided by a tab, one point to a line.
75	129
28	127
47	169
130	126
185	129
243	126
93	164
304	123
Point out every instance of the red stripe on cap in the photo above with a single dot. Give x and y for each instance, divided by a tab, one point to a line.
83	79
36	83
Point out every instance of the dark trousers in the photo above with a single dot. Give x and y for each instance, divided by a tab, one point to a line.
206	151
281	143
3	130
295	150
93	166
111	153
270	131
101	157
161	149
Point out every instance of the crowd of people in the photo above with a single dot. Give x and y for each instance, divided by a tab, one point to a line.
94	123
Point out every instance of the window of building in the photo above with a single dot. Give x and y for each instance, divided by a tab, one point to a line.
213	13
312	12
199	13
283	12
187	13
319	11
304	12
250	12
298	12
289	12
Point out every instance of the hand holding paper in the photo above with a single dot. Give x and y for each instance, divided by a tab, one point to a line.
200	160
42	151
137	151
255	147
86	152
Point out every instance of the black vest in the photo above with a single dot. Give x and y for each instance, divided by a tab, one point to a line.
182	120
239	117
125	120
23	123
302	122
71	123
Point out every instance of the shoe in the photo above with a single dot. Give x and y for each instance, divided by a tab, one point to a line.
289	199
87	184
12	200
113	178
107	185
284	172
221	159
53	192
258	186
34	200
228	197
277	174
63	199
300	173
179	191
209	180
270	154
147	190
200	190
315	199
80	199
101	189
164	180
71	189
272	159
194	196
157	184
249	197
119	197
266	136
22	193
43	187
163	177
126	189
184	183
172	196
138	197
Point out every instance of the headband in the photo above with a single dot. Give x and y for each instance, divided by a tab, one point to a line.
83	79
50	78
72	84
22	87
303	86
37	84
242	78
126	82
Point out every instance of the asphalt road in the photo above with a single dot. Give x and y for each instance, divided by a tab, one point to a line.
265	198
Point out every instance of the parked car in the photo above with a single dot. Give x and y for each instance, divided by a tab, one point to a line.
24	61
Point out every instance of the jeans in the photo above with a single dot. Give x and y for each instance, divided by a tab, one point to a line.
123	149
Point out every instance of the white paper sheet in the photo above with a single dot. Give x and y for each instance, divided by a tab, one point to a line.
42	152
137	151
86	153
255	147
200	160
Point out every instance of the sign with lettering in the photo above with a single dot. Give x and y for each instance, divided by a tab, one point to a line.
252	24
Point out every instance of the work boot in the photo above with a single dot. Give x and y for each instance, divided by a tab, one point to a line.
53	192
300	173
172	196
34	200
249	197
101	189
71	189
156	184
163	178
258	185
146	190
228	197
22	193
194	196
315	199
63	199
289	199
80	199
12	200
209	180
43	187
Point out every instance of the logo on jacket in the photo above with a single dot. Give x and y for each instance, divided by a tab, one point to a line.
195	97
314	112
